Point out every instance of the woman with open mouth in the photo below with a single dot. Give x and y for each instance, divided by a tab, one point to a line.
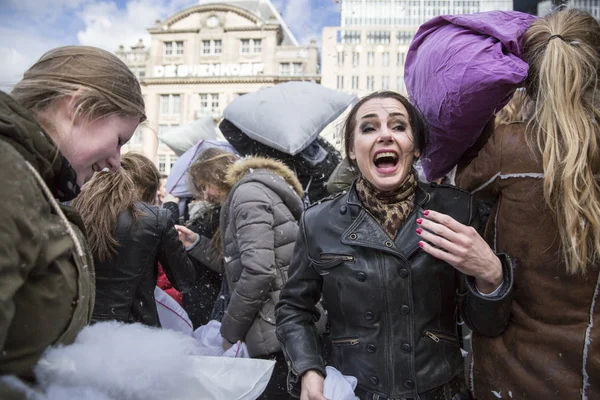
397	263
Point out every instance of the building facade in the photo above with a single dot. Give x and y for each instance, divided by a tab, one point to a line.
591	6
203	57
367	51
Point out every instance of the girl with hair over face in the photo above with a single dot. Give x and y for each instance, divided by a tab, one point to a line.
67	118
261	203
128	236
543	179
395	262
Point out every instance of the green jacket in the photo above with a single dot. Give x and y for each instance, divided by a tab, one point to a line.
46	271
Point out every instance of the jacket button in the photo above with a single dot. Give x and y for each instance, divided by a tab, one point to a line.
405	309
406	348
368	315
371	348
409	384
361	276
389	243
403	273
374	380
343	209
353	236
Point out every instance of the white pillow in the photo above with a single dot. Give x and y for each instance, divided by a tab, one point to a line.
289	116
182	138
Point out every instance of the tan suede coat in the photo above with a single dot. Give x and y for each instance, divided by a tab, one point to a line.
551	348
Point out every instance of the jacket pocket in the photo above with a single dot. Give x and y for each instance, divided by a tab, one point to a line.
345	341
330	260
437	337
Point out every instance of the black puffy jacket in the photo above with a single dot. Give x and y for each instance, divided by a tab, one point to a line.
392	308
125	283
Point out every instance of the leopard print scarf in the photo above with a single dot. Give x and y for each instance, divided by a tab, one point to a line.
390	209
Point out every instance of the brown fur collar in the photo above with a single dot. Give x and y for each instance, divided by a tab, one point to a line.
241	168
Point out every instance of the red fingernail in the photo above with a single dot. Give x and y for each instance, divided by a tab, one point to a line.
426	212
421	244
419	230
419	221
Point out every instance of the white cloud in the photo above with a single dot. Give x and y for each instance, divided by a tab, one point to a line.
19	49
305	21
107	26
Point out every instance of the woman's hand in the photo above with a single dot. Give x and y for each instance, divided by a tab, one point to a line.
312	386
462	247
186	236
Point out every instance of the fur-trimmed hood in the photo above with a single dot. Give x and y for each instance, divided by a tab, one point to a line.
238	170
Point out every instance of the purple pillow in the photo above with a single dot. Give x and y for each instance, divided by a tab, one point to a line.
460	70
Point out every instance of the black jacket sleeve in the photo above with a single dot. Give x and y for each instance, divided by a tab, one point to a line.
173	257
297	314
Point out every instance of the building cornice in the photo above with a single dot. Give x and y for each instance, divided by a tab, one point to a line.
158	31
202	8
272	79
266	27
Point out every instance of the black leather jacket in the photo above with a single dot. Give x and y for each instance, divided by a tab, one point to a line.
392	308
125	283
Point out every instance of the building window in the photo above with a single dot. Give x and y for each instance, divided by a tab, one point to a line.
385	82
355	58
404	37
352	37
211	47
378	37
168	49
400	59
340	82
162	163
340	58
370	83
179	48
172	160
385	59
170	104
209	104
169	46
296	68
206	47
250	45
355	82
399	84
284	69
370	58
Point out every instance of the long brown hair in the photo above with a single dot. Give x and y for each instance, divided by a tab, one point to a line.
211	168
563	53
109	194
144	174
106	196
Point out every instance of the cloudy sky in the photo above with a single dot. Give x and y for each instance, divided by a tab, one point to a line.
28	28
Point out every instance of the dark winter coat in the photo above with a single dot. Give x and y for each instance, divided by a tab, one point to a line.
258	227
125	283
392	308
551	348
46	271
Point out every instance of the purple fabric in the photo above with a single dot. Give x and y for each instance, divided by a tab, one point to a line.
460	70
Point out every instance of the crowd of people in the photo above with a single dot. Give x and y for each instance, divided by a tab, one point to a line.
381	280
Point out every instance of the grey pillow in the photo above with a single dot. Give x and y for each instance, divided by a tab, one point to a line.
289	116
184	137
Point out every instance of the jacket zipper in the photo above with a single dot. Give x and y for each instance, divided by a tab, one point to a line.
331	256
437	336
350	341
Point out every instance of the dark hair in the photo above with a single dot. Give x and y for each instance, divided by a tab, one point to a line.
418	125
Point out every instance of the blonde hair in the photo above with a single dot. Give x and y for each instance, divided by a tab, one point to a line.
102	83
518	109
101	201
563	53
